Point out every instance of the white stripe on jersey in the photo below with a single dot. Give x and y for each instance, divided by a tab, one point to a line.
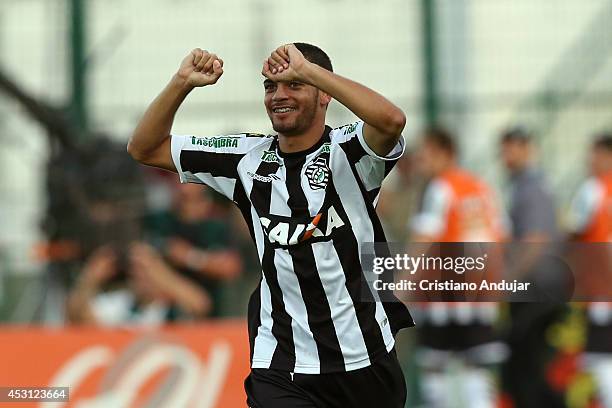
372	170
353	203
280	195
306	355
344	316
265	342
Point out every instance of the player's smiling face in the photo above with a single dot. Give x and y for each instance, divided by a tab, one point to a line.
291	106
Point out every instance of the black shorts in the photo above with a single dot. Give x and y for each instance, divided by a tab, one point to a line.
380	385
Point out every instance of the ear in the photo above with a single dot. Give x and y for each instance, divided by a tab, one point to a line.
324	98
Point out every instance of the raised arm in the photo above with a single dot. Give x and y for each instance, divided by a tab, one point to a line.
150	142
383	120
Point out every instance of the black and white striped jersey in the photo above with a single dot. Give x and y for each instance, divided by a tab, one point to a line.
309	214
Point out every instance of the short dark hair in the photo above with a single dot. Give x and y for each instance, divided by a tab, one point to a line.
603	141
516	134
315	55
441	138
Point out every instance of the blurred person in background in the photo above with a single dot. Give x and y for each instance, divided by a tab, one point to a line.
589	218
195	235
399	200
458	343
95	198
589	221
96	203
457	205
533	225
531	209
400	197
132	287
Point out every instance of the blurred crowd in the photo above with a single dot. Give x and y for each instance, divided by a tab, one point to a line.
130	245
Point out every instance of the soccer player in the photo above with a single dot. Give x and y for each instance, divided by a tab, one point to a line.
458	343
590	221
308	196
532	218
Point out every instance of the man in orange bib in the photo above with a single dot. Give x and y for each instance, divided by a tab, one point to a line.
590	221
457	340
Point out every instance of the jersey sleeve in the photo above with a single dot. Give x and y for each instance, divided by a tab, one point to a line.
432	218
370	167
583	206
211	160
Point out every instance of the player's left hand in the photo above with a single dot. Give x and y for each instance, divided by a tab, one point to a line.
286	63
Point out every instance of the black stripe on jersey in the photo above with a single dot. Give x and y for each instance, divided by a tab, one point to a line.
261	197
261	192
397	312
372	194
348	252
244	205
214	163
353	150
284	355
254	306
254	319
389	164
305	268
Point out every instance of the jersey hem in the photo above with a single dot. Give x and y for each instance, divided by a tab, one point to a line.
316	369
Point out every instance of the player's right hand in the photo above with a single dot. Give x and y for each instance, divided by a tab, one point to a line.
200	68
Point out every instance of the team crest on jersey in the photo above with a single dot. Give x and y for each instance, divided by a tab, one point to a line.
317	173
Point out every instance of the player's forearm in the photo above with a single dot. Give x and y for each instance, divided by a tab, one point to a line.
371	107
154	127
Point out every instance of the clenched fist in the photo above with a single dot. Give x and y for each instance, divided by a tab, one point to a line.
200	68
286	63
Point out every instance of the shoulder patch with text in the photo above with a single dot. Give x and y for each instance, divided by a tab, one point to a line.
270	156
350	128
215	142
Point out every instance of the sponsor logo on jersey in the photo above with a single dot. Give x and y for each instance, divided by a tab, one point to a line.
215	141
326	147
291	233
350	128
263	179
270	156
317	173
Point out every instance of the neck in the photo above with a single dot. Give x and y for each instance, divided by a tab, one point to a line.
302	141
